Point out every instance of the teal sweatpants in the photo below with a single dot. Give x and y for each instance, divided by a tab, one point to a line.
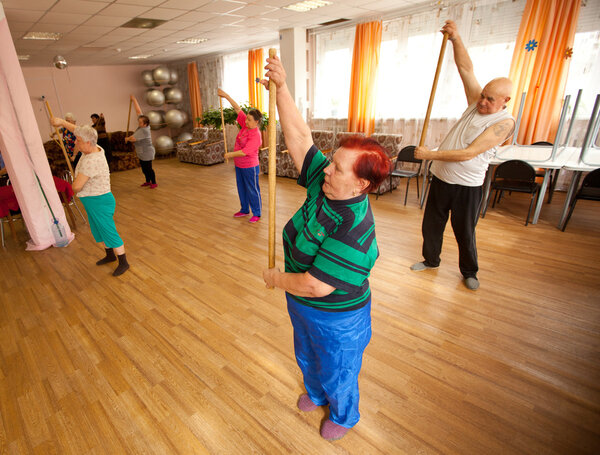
100	210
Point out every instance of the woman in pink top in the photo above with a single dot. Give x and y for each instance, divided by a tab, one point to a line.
245	157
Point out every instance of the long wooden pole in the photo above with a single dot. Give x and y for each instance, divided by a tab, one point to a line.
223	126
128	117
272	163
60	142
433	88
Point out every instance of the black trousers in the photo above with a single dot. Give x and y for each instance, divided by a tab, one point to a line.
148	171
463	203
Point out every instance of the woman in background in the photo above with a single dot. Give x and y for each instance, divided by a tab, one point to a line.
245	157
99	124
92	186
142	140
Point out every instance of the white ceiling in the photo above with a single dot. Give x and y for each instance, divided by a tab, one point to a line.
92	32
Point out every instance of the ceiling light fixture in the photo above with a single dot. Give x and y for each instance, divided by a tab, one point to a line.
23	57
307	5
140	22
52	36
192	41
140	57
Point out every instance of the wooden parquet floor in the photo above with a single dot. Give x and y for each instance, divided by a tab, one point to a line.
188	353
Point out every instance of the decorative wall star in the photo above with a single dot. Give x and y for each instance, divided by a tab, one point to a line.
569	52
531	45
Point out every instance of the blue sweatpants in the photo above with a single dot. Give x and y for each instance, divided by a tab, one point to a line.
248	189
329	347
100	210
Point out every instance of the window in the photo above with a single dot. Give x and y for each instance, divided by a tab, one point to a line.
332	73
235	76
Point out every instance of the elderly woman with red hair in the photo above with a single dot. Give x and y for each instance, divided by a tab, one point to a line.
330	249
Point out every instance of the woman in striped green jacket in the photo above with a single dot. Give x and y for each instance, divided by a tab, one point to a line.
330	249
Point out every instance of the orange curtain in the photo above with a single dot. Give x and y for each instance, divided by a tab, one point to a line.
540	65
194	87
363	88
255	70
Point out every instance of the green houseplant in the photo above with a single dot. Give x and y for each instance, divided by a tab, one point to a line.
212	117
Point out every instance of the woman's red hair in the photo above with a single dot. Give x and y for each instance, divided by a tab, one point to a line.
372	163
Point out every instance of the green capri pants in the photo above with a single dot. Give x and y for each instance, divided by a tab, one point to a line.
100	210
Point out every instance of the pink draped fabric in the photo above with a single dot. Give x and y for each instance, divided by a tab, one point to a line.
20	138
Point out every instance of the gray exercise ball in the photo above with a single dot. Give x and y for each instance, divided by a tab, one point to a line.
173	95
173	77
186	117
163	145
155	97
185	136
174	118
156	119
161	75
147	78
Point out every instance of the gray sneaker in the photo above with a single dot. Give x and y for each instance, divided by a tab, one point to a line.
472	283
420	266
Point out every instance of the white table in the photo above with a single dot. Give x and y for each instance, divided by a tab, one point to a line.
536	155
592	161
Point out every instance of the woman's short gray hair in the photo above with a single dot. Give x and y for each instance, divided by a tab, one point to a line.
87	134
69	115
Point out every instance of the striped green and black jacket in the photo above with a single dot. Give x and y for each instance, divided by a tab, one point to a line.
333	240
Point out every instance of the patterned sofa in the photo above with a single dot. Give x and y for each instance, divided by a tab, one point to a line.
284	164
207	151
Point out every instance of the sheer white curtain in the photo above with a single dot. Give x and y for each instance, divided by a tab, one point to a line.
332	73
235	76
210	74
409	55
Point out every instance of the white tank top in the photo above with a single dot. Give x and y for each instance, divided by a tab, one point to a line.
462	134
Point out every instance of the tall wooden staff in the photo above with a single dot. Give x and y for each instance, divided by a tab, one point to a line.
59	136
433	88
428	113
223	126
128	117
272	164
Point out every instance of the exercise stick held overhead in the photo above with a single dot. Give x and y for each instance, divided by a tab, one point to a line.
60	142
272	164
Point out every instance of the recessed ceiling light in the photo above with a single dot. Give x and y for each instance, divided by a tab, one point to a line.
23	57
43	36
307	5
140	22
192	41
139	57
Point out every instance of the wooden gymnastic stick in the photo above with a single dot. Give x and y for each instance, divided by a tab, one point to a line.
60	142
223	126
128	117
272	163
432	96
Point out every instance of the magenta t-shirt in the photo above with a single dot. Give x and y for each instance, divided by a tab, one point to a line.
249	141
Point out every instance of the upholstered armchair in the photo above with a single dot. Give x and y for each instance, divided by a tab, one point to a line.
285	167
341	135
205	152
392	143
324	140
184	148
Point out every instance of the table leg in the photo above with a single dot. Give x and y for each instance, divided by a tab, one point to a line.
486	189
570	192
540	199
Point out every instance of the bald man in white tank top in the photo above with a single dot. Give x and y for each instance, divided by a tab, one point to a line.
460	163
